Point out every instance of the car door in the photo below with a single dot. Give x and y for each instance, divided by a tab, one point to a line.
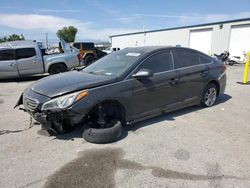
192	74
152	94
27	61
8	66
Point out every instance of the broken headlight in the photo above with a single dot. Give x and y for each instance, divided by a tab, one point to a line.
64	101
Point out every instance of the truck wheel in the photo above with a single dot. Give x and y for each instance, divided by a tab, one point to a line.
89	59
58	68
103	135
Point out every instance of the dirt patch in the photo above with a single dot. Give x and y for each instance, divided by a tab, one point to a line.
182	154
97	168
94	168
1	101
214	170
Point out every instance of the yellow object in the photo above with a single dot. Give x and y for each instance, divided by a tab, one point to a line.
245	75
81	95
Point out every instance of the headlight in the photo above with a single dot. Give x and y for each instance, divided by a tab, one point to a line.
64	101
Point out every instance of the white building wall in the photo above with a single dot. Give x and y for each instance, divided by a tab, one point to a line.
220	37
127	41
201	40
168	37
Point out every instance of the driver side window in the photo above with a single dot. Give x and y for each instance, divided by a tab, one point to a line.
159	62
23	53
6	55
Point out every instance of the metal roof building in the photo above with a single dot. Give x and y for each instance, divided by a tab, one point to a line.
232	35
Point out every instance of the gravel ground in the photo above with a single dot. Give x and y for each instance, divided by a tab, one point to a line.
193	147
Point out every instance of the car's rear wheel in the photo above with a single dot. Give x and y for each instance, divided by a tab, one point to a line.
58	68
209	95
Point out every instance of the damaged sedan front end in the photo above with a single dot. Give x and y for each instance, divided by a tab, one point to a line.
54	114
61	101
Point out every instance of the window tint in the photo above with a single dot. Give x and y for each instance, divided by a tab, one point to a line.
25	53
6	55
205	60
76	45
159	62
114	64
88	46
184	58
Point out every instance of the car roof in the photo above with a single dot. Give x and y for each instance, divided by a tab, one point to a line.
146	50
18	44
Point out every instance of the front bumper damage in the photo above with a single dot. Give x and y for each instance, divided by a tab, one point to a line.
58	120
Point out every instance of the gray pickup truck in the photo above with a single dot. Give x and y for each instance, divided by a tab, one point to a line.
25	58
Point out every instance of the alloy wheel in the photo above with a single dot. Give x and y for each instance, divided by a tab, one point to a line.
210	96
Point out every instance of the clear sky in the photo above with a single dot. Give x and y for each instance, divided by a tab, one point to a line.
98	19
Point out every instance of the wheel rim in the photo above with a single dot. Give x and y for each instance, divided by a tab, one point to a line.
210	96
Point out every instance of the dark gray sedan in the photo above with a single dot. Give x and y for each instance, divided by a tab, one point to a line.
124	87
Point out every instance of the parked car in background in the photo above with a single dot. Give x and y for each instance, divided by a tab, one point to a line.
25	58
89	53
124	87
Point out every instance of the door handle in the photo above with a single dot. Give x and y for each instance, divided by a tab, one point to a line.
204	73
12	64
174	81
34	61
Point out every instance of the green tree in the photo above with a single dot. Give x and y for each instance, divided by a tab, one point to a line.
12	37
67	33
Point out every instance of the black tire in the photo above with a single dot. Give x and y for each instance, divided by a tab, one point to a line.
231	62
88	59
209	95
57	68
103	135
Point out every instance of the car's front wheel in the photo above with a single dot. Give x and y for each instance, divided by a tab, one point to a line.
104	123
209	95
111	132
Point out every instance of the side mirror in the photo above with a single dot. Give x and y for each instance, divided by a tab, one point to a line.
143	73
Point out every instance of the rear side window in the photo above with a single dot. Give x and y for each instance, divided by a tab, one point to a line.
88	46
25	53
6	55
185	58
77	45
204	60
159	62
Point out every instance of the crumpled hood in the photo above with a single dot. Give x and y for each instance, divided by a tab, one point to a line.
59	84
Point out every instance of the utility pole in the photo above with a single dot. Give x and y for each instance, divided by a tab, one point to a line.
46	36
144	35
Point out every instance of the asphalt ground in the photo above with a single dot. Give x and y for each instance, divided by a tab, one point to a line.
193	147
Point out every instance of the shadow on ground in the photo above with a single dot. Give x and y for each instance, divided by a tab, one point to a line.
77	133
172	115
247	83
97	168
23	79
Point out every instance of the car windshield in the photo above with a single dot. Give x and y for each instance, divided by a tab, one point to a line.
113	64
